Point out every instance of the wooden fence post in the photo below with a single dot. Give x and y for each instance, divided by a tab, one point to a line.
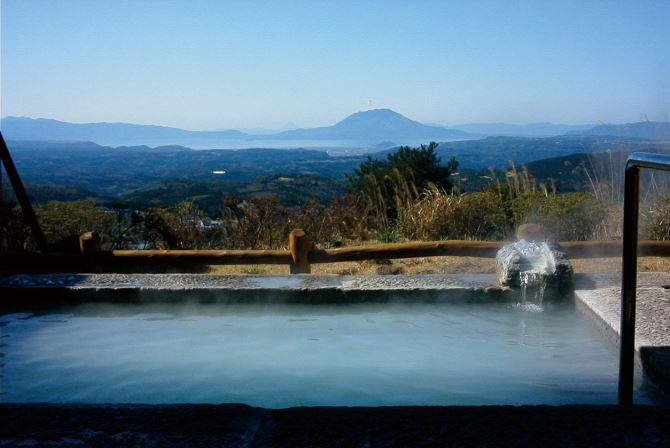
90	246
298	244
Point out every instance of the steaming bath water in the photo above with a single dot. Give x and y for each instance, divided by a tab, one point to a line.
291	355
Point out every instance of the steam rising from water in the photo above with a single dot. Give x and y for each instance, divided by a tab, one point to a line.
288	355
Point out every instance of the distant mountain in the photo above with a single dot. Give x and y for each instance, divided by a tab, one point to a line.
653	130
289	126
86	146
357	130
375	125
525	130
115	134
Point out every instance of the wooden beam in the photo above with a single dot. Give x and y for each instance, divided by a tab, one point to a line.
647	248
592	249
485	249
603	249
144	260
21	195
192	257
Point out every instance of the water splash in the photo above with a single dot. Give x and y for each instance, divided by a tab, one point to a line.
533	285
536	268
536	264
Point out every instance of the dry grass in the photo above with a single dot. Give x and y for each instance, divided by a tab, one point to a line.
438	265
600	265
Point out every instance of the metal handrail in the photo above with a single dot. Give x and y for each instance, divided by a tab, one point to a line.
631	208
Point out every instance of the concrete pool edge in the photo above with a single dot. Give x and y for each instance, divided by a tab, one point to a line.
245	426
312	282
600	297
79	288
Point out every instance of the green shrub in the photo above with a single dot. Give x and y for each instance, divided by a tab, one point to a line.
438	215
14	234
487	216
63	222
567	217
173	227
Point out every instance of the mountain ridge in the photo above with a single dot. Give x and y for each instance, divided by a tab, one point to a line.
366	128
538	129
26	128
654	130
385	124
373	126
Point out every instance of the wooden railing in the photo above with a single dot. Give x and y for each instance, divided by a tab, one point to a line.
299	257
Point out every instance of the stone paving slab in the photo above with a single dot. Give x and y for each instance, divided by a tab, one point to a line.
652	326
613	280
46	289
210	281
652	323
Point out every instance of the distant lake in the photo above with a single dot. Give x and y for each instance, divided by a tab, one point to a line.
336	147
285	144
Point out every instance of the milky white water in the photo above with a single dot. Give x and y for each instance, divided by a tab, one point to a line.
290	355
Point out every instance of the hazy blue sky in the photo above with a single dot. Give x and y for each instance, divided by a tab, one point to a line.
215	64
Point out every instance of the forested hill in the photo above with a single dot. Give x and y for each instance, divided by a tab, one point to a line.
654	130
499	151
116	172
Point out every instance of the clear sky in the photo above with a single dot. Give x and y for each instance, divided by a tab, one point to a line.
236	64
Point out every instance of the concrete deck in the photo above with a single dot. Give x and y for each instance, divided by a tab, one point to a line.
186	282
244	426
601	295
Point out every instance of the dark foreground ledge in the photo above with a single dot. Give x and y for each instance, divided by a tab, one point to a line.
243	426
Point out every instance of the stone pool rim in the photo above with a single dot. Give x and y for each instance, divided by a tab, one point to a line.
56	289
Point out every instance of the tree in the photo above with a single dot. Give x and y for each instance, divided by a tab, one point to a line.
419	165
63	222
175	227
384	185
